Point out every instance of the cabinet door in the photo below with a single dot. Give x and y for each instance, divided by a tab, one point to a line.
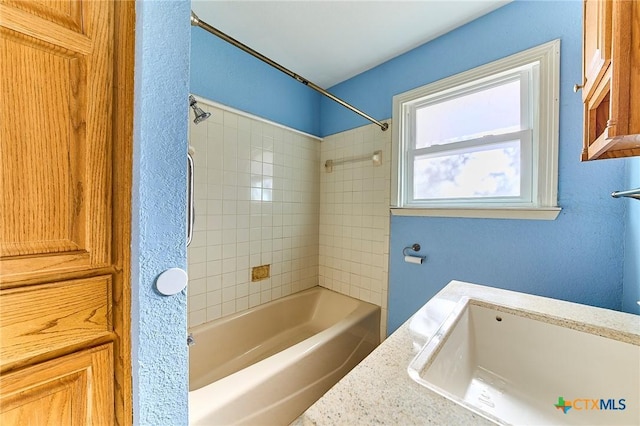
596	43
611	104
38	320
72	390
63	252
56	69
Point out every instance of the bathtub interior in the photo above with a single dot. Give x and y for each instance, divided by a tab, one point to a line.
231	344
278	387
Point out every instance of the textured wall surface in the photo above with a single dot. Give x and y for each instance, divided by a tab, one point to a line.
579	256
257	191
631	283
159	351
226	74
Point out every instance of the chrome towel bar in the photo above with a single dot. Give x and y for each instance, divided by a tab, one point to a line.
376	158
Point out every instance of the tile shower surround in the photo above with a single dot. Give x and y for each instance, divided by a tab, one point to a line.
354	217
257	202
263	196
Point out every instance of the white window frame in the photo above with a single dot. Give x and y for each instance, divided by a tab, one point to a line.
539	199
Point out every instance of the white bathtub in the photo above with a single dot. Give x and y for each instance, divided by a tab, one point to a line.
269	364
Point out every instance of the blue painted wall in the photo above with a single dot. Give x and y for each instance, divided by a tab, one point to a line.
159	352
225	74
577	257
496	35
631	279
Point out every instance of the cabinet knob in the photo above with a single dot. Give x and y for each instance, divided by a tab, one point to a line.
577	87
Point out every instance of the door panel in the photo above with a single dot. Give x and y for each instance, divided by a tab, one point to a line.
43	318
65	13
72	390
37	182
55	139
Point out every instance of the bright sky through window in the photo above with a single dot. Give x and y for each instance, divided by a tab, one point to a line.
494	110
490	172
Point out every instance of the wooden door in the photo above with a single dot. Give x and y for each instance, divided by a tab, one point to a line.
66	78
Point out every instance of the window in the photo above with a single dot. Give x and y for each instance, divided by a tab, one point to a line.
482	143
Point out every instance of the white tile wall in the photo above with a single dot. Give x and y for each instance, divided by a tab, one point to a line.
257	192
354	217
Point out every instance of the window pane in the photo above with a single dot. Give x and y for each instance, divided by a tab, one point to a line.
495	110
487	171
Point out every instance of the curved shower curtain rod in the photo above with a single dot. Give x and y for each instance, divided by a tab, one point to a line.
196	22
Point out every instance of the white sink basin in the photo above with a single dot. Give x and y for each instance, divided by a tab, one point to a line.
512	367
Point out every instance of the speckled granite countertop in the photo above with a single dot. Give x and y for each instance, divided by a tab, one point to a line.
379	390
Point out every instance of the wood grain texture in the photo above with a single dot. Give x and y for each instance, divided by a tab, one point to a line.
612	103
620	70
38	319
72	390
66	13
596	42
46	30
634	71
37	194
124	48
17	270
66	97
55	143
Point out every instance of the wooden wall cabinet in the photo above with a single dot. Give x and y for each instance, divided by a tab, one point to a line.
611	78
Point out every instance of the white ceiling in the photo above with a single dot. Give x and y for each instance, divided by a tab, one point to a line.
328	42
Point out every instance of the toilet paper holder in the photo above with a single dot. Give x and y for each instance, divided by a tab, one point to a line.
412	257
415	247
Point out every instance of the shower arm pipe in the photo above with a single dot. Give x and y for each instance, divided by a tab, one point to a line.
197	22
632	193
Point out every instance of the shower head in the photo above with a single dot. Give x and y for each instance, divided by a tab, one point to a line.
200	114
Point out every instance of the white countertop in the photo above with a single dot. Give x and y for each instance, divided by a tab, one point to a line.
380	391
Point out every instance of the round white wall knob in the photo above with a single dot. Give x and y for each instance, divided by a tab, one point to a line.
172	281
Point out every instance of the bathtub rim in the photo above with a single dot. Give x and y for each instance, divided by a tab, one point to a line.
200	328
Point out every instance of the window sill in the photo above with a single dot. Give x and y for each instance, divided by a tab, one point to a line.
531	213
